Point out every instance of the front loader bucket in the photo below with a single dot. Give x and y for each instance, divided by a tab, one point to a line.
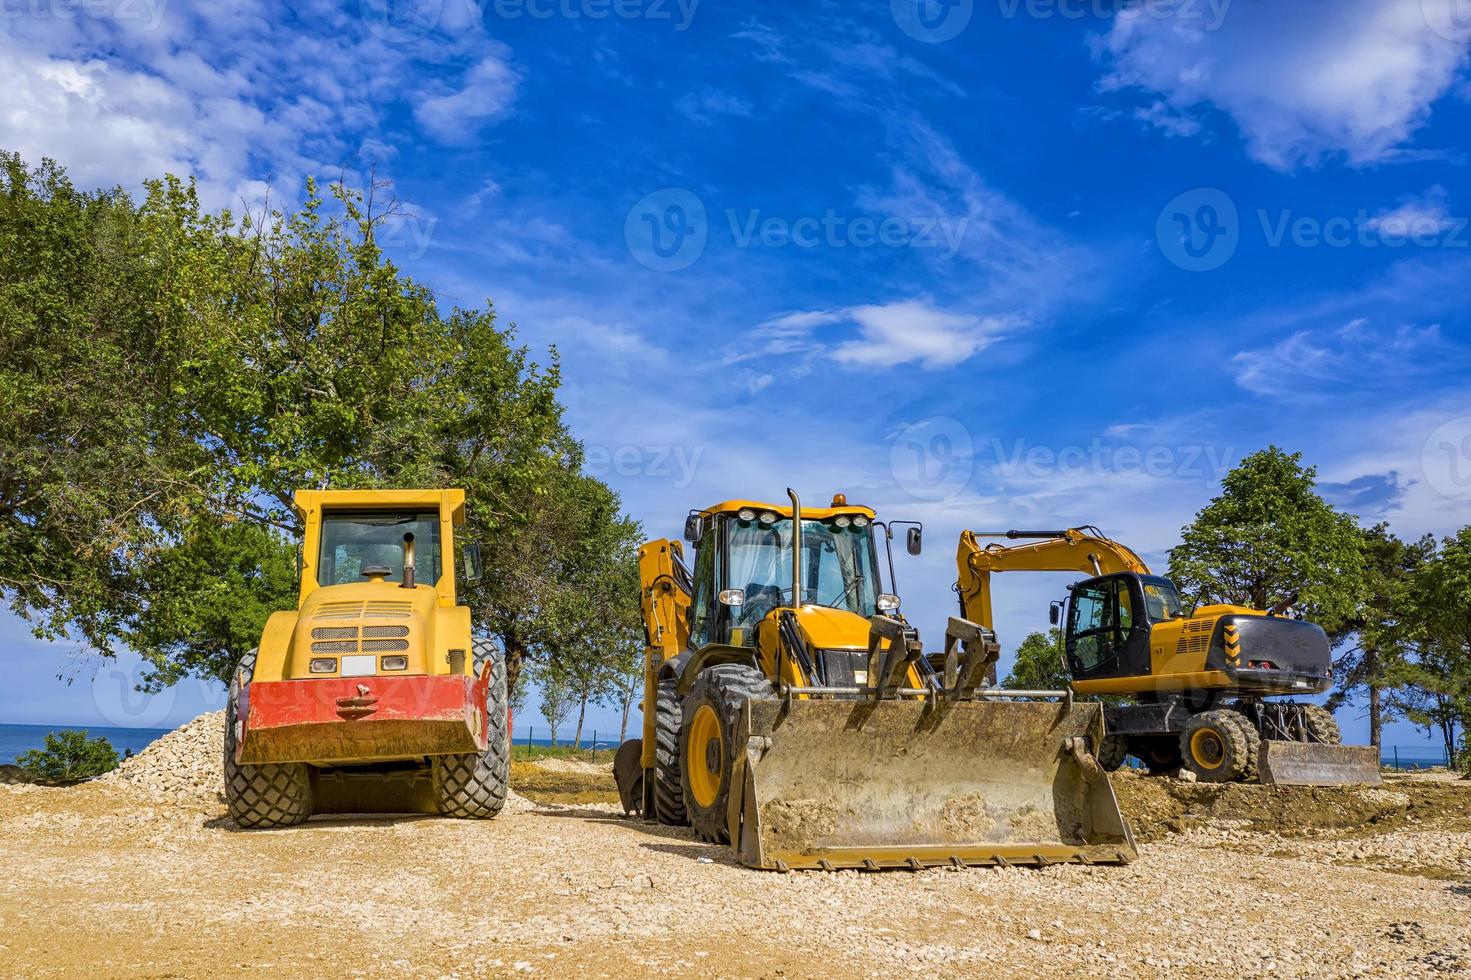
1313	764
864	784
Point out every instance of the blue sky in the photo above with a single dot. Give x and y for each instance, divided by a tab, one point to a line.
985	264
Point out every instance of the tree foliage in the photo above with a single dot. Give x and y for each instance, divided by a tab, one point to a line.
172	376
69	756
1038	664
1435	680
1269	535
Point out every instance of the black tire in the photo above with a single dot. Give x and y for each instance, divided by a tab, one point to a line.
1219	746
1159	753
1252	772
473	785
1112	752
1321	725
272	795
668	782
723	690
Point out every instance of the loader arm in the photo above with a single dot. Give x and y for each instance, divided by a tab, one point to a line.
664	600
1078	549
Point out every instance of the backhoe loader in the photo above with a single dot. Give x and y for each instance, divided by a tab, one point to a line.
371	695
789	709
1199	682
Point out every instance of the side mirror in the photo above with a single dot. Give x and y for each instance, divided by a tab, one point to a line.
1054	613
733	597
914	540
694	528
474	567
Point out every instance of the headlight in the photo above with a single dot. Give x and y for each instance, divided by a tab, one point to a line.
322	665
887	601
395	663
746	514
843	521
860	521
768	518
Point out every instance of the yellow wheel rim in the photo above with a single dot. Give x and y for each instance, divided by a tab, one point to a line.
704	757
1208	749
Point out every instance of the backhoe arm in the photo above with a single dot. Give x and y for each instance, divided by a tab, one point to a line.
1078	549
664	600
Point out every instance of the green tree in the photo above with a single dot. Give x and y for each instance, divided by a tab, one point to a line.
69	756
556	699
1437	679
1378	637
1038	664
1269	535
172	376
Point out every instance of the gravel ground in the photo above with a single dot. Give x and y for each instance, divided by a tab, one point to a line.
141	873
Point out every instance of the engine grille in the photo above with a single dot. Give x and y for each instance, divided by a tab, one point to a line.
839	668
1196	636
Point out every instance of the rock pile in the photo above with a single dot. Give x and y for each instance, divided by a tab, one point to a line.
184	766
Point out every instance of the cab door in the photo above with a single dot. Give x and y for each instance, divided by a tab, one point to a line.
1107	633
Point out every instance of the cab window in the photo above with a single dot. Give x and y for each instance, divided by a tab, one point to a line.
354	541
702	603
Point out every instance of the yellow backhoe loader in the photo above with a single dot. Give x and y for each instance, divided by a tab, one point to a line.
371	695
790	710
1199	682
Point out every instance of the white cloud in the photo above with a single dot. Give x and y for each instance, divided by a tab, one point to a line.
487	93
913	331
1425	216
1303	81
1311	362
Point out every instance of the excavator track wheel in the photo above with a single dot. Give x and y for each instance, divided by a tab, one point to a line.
473	785
1112	752
711	710
259	797
1216	748
1321	725
668	781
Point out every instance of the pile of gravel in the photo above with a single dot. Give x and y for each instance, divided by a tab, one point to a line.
183	766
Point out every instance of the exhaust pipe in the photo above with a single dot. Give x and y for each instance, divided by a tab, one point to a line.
796	548
408	577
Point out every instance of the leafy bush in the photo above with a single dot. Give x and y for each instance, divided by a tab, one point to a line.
69	756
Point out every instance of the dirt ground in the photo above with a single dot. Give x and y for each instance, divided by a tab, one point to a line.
117	878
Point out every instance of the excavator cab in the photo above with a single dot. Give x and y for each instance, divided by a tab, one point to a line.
1109	623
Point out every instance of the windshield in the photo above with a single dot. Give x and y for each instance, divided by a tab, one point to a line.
838	567
1161	600
353	542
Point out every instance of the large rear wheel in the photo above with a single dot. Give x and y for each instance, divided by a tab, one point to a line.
474	784
711	710
271	795
1220	746
1112	752
1321	725
668	783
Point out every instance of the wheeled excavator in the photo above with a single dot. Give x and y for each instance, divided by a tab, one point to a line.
790	710
1202	688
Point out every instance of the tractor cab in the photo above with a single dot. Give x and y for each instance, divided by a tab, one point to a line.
1110	620
743	570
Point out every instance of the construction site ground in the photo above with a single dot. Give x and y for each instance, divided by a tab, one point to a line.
142	873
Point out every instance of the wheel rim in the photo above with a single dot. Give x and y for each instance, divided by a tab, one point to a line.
1208	749
705	755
